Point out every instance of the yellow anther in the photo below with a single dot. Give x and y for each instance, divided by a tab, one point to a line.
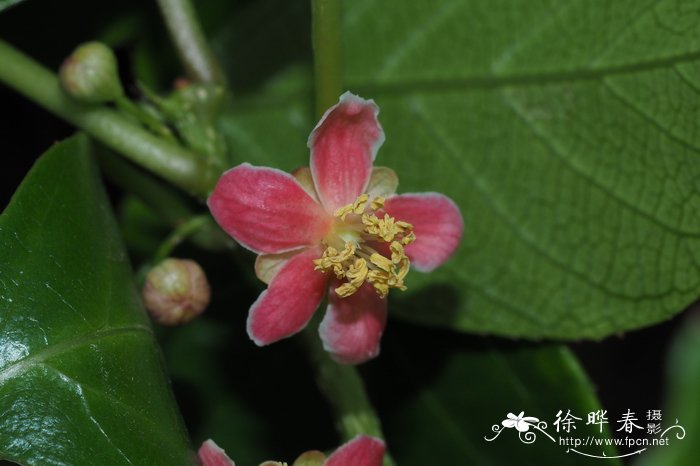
347	253
357	273
345	290
380	281
356	207
359	205
342	212
358	262
377	203
371	223
381	262
397	254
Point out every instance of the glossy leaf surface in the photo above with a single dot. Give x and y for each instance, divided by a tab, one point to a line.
81	379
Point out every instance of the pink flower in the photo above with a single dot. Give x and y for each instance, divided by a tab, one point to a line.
211	455
360	451
338	222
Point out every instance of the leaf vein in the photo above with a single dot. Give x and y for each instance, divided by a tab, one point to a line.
519	233
554	150
19	366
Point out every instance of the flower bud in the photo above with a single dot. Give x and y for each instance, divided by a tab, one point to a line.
310	458
176	291
89	74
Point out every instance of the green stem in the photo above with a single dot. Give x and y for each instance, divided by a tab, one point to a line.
325	33
174	163
191	45
180	234
127	106
340	384
168	203
343	388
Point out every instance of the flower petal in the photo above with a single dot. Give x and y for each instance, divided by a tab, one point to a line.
211	455
437	223
267	265
521	426
310	458
360	451
267	210
306	180
343	146
383	182
353	326
289	302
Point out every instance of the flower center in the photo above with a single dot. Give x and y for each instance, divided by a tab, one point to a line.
354	243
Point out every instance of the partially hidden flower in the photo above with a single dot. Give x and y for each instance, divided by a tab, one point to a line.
210	454
337	223
363	450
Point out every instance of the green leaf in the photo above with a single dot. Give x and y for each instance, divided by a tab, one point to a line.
5	4
81	379
439	406
570	145
682	405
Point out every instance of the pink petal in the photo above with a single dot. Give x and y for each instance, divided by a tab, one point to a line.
353	326
267	265
211	455
437	223
266	210
343	146
289	302
383	182
306	180
360	451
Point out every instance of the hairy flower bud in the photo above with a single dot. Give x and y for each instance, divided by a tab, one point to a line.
176	291
89	74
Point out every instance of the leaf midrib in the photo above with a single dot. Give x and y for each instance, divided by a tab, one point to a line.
487	82
22	365
253	103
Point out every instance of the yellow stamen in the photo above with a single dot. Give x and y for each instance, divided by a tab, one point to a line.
382	262
358	262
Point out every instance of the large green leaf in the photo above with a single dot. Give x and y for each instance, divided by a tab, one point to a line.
439	406
81	379
566	132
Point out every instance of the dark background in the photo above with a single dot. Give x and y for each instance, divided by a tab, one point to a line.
627	370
